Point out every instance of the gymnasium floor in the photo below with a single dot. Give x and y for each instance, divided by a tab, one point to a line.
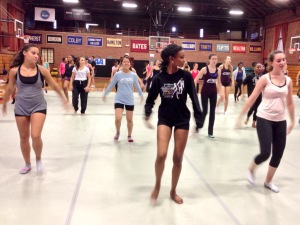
89	179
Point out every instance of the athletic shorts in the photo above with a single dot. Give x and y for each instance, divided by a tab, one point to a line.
121	106
183	126
226	84
43	111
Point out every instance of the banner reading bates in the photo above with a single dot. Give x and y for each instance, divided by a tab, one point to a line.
139	46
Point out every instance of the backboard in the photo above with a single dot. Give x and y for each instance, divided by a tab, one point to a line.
158	41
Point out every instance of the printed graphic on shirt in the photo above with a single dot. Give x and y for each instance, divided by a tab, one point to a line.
226	73
170	89
127	80
211	81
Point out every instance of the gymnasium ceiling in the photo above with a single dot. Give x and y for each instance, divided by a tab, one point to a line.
209	12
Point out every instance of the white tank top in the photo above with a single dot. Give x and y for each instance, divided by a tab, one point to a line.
272	106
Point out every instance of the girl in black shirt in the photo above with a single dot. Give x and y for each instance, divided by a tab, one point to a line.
173	85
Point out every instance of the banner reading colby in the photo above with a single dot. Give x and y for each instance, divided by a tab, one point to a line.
139	46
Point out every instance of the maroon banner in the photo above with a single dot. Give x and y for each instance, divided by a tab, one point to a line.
139	46
239	48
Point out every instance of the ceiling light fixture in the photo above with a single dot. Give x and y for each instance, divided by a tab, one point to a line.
129	5
71	1
184	9
236	12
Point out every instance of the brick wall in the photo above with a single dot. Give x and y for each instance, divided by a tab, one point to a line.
62	50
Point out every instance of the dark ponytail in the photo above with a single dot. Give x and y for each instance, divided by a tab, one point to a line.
170	50
19	56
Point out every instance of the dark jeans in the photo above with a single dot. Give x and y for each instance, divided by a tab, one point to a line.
238	86
78	89
271	136
254	107
212	102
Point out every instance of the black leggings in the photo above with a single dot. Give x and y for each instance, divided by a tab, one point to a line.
238	86
271	136
253	108
212	102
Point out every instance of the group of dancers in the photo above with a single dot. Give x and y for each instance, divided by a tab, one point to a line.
173	84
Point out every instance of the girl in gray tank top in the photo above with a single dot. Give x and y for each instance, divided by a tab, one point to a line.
30	107
30	98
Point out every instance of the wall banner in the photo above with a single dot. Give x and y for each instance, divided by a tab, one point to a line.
54	39
222	47
114	42
205	47
239	48
77	14
100	62
35	38
44	14
188	46
94	41
74	40
139	46
255	49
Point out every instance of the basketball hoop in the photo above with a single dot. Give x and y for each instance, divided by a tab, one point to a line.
26	39
292	50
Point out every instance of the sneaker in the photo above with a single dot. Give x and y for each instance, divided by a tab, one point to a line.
92	86
217	110
25	170
130	139
226	113
39	166
211	136
250	177
272	187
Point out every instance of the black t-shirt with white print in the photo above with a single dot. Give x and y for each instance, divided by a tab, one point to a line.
173	90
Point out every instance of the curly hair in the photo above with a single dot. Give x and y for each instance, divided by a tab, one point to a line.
170	50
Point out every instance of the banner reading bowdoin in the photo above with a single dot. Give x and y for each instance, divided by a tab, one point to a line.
139	46
54	39
114	42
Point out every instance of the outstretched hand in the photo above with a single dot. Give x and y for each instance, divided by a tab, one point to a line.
147	123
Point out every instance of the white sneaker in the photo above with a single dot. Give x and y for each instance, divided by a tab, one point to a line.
211	136
250	177
217	110
272	187
226	113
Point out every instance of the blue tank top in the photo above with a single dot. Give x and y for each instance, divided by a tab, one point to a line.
209	83
239	76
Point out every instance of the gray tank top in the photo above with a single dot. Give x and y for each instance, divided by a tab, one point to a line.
30	97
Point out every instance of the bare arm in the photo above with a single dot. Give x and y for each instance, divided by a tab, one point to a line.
218	84
71	80
256	92
88	75
48	78
200	75
297	79
290	107
11	84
